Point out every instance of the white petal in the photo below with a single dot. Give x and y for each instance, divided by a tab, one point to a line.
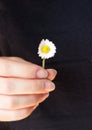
52	47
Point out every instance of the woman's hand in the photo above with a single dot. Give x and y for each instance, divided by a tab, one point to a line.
23	85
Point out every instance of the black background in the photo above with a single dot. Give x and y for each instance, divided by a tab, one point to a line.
68	23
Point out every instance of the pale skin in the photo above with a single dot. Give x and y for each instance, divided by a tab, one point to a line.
23	86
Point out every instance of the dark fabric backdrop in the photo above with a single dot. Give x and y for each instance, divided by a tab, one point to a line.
68	23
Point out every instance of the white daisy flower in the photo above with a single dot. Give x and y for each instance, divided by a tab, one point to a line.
46	49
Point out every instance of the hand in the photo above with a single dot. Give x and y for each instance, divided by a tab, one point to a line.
23	85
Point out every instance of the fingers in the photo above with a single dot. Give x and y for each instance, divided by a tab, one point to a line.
14	115
51	73
12	68
18	67
21	101
25	86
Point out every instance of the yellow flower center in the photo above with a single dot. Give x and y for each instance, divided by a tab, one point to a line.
45	49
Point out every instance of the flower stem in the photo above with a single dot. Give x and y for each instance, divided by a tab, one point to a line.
43	63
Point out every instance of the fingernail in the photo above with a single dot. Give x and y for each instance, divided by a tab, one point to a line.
49	86
55	72
51	73
42	74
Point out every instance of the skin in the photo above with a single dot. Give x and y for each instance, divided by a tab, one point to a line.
23	86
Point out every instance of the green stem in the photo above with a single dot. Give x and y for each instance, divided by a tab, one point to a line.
43	63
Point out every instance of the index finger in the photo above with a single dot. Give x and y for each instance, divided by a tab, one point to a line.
11	68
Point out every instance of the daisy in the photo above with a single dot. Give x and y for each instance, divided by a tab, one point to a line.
46	50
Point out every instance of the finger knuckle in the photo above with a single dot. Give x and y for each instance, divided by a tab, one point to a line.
11	103
8	86
5	86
